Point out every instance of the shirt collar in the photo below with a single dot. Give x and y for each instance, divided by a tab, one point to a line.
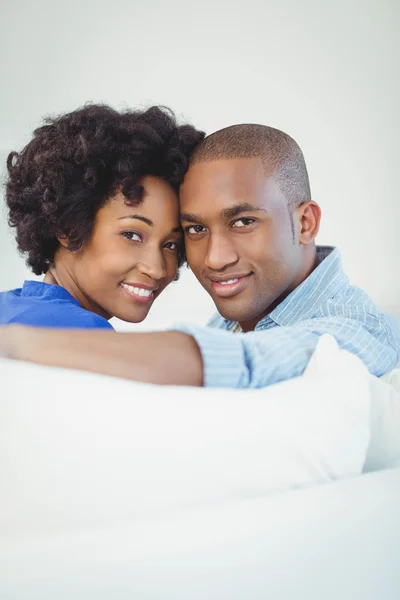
323	283
39	288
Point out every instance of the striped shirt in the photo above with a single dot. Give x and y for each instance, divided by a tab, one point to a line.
282	343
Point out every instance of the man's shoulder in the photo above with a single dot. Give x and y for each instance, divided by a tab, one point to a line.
350	301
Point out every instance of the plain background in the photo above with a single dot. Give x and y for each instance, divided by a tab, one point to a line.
327	73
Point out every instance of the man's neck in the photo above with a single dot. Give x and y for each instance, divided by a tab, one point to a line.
311	262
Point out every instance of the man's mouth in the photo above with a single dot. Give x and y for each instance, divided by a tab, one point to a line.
139	294
225	288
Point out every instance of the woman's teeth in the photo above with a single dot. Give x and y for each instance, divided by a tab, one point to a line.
136	290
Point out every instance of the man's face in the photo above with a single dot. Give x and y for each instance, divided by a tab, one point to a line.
239	237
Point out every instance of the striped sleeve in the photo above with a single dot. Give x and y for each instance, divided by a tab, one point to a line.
262	358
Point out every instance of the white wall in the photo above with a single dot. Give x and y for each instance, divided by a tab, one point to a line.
325	72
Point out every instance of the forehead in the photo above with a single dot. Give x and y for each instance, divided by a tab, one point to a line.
159	203
210	187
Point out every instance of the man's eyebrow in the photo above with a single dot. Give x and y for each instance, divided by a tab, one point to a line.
227	213
233	211
139	218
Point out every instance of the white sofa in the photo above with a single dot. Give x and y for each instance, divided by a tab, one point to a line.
112	489
339	541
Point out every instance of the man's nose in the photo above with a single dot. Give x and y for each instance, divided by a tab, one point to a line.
220	253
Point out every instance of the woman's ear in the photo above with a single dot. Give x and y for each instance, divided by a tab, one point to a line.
63	240
308	217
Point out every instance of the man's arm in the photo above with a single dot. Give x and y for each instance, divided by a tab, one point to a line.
163	358
265	357
202	355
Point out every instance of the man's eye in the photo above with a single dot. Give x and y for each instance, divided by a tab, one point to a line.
195	229
243	222
132	235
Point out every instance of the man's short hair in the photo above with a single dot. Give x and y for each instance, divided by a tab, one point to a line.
281	155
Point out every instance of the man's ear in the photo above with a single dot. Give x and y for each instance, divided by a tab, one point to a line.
308	217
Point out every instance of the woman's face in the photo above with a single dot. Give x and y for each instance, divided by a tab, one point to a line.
132	254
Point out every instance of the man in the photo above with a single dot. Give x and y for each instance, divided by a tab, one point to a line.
250	227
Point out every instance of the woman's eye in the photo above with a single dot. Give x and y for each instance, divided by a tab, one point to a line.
131	235
172	246
243	222
193	229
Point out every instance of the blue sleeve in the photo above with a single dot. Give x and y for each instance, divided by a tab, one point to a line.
62	318
262	358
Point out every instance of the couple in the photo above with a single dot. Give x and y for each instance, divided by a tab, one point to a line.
94	199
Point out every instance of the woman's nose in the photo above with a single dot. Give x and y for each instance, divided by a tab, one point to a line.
153	266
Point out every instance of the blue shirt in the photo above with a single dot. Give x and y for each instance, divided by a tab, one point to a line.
283	341
46	305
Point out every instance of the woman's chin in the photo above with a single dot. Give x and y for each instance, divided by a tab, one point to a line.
132	316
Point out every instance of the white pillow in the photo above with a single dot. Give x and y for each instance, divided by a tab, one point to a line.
82	449
333	542
393	379
384	448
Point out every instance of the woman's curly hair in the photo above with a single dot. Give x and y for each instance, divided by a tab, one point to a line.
77	161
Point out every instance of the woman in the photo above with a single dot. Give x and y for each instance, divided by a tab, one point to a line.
93	199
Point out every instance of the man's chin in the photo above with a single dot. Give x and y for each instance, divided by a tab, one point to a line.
232	313
239	312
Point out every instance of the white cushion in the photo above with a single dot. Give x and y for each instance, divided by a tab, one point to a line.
330	542
393	379
384	448
82	449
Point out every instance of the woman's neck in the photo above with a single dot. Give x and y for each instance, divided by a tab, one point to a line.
60	274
